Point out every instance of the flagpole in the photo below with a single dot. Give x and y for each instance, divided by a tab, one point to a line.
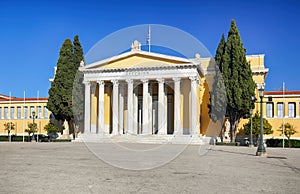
23	116
283	90
149	39
10	117
37	135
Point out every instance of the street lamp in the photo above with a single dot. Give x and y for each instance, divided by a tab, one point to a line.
253	99
251	140
261	150
33	117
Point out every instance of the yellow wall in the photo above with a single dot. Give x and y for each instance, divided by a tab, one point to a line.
22	123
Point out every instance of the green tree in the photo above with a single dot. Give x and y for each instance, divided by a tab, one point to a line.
32	128
267	127
51	128
78	88
9	126
217	106
237	78
60	93
289	130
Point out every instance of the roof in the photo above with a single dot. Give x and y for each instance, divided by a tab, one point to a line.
13	99
271	93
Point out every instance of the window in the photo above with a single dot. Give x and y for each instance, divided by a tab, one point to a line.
45	112
31	110
5	112
39	112
25	112
19	112
0	112
292	109
270	110
280	109
12	112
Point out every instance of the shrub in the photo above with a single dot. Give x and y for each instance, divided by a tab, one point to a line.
61	140
278	143
228	144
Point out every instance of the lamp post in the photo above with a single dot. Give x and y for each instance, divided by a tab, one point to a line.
261	150
33	117
251	140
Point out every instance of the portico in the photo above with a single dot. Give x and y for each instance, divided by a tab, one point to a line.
142	93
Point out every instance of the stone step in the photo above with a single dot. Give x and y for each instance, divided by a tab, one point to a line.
150	139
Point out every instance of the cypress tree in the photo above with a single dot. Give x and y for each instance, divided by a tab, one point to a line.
60	101
217	106
60	93
237	77
78	87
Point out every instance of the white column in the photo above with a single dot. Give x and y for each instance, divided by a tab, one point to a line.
121	109
135	110
166	109
177	101
150	109
101	107
145	129
87	107
161	108
193	113
129	115
115	107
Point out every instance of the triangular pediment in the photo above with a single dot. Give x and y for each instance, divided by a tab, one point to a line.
134	59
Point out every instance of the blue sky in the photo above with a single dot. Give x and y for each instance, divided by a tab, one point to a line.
32	33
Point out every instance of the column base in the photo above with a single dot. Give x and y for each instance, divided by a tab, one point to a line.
263	154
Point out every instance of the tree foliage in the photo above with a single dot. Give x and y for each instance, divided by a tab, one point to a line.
217	106
289	130
51	128
78	87
237	78
32	128
60	101
60	94
267	127
9	126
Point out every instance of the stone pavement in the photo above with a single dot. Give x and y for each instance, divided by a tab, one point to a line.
73	168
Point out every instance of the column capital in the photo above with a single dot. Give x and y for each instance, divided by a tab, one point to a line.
161	80
129	81
193	78
100	82
145	81
87	83
115	81
176	79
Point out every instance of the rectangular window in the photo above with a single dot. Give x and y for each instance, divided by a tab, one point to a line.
270	110
292	109
45	112
5	112
280	109
31	110
0	112
25	112
19	112
39	112
12	112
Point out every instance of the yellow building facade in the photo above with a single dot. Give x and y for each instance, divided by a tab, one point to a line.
19	110
146	93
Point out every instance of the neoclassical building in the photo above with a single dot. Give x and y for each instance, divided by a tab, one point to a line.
19	112
146	93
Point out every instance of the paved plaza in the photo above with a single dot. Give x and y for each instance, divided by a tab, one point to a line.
73	168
